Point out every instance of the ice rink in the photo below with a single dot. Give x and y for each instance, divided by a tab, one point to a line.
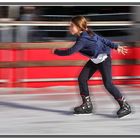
48	111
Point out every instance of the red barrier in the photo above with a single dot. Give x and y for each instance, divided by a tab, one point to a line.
17	76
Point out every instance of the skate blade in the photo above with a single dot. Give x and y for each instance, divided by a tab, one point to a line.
84	114
127	116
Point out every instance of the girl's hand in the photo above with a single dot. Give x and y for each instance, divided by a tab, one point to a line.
53	50
122	49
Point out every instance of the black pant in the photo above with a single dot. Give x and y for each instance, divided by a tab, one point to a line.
105	69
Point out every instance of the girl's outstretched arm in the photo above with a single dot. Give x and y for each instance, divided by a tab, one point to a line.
108	42
120	49
80	43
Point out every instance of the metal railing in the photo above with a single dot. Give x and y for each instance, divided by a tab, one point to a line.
23	31
62	23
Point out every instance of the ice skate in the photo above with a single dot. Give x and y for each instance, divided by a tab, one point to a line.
85	108
125	108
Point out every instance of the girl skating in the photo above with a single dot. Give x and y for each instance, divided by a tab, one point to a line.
98	50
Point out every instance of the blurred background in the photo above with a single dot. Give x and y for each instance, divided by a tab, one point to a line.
115	22
29	33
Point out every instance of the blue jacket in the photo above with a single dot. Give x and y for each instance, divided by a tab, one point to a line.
88	45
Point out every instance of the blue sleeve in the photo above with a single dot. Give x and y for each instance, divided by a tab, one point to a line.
80	43
108	42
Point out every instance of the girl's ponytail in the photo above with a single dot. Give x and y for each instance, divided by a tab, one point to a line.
90	32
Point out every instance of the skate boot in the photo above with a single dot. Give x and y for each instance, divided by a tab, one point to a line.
125	108
85	108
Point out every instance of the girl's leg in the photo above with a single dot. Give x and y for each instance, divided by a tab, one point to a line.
105	69
88	70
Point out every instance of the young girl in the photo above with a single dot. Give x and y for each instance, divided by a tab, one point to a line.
98	49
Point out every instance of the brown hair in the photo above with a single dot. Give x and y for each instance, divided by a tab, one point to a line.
81	23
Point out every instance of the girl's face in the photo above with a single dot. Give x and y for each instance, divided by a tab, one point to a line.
73	29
